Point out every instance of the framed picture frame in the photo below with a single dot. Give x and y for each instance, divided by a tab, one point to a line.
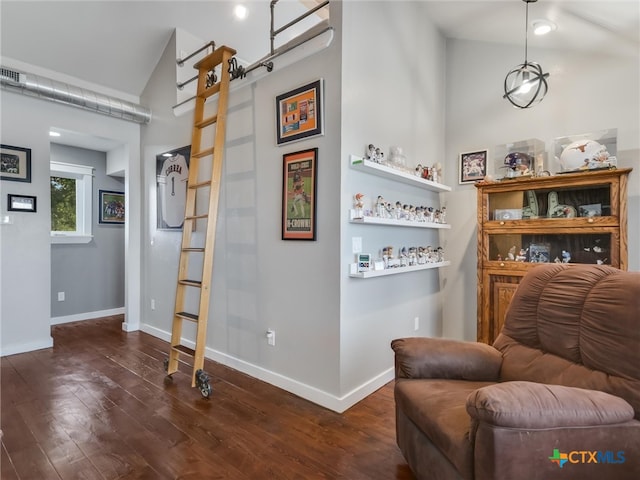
299	113
21	203
299	198
172	173
111	205
539	253
473	166
15	163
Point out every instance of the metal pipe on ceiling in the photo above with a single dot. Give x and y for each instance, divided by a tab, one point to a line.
44	88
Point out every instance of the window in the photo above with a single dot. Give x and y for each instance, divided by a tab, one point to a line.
71	192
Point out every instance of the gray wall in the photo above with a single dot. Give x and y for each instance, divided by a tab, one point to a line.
25	247
91	274
259	280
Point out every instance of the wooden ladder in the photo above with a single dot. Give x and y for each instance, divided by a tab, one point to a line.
207	87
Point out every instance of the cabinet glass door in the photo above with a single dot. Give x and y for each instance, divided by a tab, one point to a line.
594	248
569	202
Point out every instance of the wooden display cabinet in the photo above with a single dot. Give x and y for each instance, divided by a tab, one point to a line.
571	218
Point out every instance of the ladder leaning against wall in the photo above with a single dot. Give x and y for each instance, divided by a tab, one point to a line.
191	249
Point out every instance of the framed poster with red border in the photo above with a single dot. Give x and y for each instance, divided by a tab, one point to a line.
299	198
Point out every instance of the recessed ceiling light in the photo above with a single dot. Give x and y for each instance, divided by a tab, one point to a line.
542	27
240	12
54	134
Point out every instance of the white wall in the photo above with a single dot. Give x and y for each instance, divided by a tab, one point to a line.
393	75
25	249
586	93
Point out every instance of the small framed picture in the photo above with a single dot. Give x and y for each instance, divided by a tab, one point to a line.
299	113
539	253
473	166
111	207
591	210
15	163
21	203
299	172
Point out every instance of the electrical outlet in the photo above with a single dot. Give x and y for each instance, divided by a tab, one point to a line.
271	337
416	323
61	296
153	304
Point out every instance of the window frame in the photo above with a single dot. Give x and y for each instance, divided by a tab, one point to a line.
83	175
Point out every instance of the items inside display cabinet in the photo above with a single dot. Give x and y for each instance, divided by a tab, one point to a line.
547	248
551	203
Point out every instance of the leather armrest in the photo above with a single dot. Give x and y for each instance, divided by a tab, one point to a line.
423	357
536	405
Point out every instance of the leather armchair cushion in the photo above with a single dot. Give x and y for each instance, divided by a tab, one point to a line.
437	408
530	405
421	357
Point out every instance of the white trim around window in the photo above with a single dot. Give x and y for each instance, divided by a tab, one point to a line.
84	194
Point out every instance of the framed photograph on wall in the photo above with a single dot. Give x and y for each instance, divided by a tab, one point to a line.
111	206
21	203
299	198
15	163
473	166
299	113
172	173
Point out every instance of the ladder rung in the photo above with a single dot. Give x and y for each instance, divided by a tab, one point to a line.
214	58
212	90
196	217
183	349
206	183
206	122
193	249
203	153
189	316
191	283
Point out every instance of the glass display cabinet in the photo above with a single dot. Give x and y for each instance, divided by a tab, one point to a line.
567	218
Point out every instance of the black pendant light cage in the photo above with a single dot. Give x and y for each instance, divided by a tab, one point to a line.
526	84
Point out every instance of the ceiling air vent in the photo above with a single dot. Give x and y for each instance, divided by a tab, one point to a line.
7	75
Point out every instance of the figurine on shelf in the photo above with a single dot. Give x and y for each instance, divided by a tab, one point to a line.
419	170
381	208
371	153
398	211
522	255
436	172
443	215
566	256
397	158
358	203
512	253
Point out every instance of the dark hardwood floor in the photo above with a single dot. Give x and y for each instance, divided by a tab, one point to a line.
98	405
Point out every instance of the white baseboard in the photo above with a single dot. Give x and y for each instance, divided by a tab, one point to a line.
86	316
26	347
308	392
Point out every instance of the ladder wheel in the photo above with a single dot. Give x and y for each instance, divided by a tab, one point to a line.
202	382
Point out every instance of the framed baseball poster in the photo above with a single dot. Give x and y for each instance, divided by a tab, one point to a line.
172	173
299	172
299	113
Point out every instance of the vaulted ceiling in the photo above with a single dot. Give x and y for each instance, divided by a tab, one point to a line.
118	43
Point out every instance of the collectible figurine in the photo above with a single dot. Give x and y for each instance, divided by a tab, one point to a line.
381	209
566	256
358	203
522	256
512	253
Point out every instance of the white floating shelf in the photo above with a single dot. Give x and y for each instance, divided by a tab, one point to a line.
394	271
397	223
368	166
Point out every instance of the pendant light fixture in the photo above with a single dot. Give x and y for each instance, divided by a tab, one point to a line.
526	84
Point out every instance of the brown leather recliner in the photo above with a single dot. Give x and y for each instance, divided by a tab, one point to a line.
557	396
